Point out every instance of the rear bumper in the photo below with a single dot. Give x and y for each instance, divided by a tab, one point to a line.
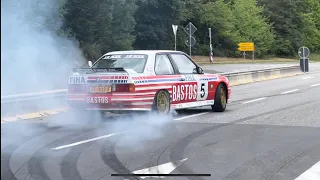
110	102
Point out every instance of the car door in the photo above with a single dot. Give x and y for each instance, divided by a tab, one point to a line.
192	87
166	75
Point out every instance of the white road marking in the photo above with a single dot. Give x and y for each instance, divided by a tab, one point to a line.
86	141
186	117
307	77
314	85
311	174
254	100
291	91
166	168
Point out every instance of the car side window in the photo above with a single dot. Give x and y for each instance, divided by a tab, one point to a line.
163	65
183	63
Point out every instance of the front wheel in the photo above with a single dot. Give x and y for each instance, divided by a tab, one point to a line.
220	99
162	103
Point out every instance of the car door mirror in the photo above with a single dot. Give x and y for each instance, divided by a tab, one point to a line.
200	70
90	63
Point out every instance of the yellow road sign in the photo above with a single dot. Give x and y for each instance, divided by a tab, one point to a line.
246	48
247	44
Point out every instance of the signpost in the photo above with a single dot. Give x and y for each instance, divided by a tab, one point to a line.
175	28
211	49
245	47
304	53
191	41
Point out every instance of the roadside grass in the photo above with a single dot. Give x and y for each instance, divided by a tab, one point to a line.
269	60
315	57
224	60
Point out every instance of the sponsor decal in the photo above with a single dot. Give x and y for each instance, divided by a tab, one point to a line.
189	77
92	70
97	100
127	56
184	92
112	57
77	80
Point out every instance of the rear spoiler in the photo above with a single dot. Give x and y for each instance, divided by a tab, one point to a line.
93	70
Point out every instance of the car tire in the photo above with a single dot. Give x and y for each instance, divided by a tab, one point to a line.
220	99
161	102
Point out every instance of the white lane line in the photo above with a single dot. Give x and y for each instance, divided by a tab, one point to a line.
291	91
166	168
307	77
86	141
314	85
311	174
186	117
254	100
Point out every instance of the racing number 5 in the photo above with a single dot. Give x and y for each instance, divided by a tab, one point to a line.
202	90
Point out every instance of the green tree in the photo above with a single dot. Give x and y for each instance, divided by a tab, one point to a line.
154	19
252	26
310	13
219	16
287	24
100	26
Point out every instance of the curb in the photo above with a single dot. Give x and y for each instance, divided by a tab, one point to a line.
34	115
239	78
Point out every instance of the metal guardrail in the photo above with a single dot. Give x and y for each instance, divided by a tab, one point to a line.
293	67
62	92
33	96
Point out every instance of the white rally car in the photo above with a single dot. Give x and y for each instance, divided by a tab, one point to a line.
146	80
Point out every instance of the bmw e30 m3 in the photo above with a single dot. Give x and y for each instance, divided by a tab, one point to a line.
149	80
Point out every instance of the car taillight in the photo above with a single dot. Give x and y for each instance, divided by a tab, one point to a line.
123	88
76	88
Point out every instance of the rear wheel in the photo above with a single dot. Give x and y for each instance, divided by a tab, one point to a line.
161	102
220	99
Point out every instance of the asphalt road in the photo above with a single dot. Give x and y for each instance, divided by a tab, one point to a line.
249	67
270	131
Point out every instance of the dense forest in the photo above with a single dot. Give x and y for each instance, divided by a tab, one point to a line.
277	27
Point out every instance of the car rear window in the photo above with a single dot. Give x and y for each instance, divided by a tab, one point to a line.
136	62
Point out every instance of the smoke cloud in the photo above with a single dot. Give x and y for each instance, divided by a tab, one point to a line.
33	56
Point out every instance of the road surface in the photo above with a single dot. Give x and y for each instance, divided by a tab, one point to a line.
270	131
249	67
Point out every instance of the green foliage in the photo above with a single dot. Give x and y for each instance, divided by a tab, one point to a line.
220	17
252	26
311	29
277	27
287	25
100	25
154	19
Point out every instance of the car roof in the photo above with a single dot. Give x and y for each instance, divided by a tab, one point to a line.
148	52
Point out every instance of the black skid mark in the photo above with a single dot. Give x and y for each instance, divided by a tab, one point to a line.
177	151
68	167
110	158
6	154
35	167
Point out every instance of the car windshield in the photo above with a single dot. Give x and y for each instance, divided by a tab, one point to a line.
126	61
